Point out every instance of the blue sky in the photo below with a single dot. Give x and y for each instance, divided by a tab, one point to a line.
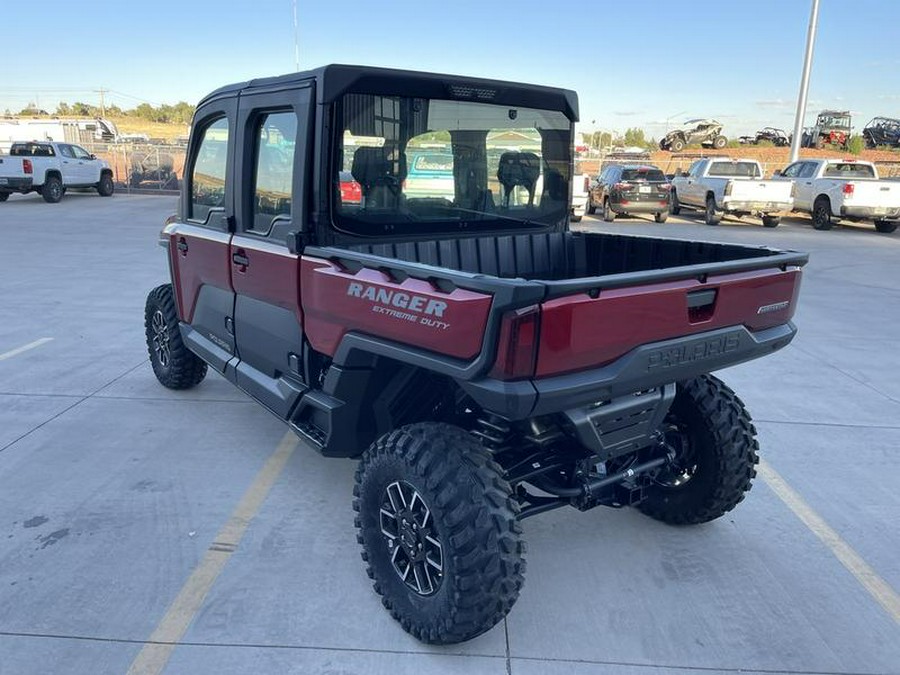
632	63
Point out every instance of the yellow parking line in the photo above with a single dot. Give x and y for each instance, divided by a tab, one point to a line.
24	348
154	656
877	587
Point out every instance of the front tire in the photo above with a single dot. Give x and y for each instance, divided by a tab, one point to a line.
439	532
885	226
716	453
720	142
590	209
771	221
174	365
4	196
674	204
52	190
661	217
677	145
106	187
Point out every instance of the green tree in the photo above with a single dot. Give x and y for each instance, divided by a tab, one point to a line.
635	137
856	145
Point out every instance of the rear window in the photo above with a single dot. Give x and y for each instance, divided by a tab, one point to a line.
643	174
739	169
32	150
849	170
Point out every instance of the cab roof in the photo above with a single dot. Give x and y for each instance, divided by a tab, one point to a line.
334	80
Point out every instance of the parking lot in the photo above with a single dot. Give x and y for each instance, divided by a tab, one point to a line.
147	530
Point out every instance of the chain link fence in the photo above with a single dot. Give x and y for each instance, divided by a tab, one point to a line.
143	166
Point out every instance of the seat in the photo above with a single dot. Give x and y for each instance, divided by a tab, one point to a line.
518	168
380	183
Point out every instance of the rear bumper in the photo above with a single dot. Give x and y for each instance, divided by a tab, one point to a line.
16	184
635	206
870	212
758	207
646	367
579	205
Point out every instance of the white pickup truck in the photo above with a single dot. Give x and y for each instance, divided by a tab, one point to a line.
831	189
735	187
581	183
50	168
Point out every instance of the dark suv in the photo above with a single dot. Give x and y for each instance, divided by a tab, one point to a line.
630	188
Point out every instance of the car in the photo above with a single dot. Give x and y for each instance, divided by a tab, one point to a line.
882	131
705	132
629	189
482	362
50	169
350	191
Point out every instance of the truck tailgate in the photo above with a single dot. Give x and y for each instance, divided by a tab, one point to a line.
873	193
581	332
760	191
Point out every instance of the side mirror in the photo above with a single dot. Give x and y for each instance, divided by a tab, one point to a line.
777	172
684	174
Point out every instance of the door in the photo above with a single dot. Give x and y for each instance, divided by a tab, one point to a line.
199	240
690	188
804	186
265	273
87	168
68	165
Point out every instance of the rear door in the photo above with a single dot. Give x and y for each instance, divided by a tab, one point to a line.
199	241
273	141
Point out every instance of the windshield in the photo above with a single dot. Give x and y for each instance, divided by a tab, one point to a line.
841	121
431	165
739	169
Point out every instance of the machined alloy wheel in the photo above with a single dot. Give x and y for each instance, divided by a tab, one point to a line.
439	531
407	526
159	343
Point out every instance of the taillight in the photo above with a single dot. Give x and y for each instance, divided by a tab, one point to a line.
848	189
623	186
518	348
26	165
728	186
587	183
664	187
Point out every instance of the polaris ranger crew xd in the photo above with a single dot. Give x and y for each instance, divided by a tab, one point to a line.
482	362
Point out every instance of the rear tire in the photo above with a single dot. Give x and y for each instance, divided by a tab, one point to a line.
712	217
52	190
716	454
4	196
720	142
106	187
174	365
771	221
674	204
821	215
608	214
439	532
677	145
660	217
885	226
590	209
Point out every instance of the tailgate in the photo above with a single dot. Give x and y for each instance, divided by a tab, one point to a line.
874	193
10	167
760	191
587	330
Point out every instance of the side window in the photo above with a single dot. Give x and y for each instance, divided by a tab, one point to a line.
208	173
66	151
80	153
696	168
793	170
809	168
273	161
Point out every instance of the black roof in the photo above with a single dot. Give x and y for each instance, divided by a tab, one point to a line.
334	80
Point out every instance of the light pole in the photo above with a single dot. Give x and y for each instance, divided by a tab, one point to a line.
804	83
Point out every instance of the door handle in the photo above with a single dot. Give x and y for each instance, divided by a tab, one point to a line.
240	258
182	246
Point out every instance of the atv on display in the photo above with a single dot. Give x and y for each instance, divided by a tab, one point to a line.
705	132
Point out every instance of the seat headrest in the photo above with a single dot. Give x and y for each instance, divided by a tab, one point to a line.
519	168
372	166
